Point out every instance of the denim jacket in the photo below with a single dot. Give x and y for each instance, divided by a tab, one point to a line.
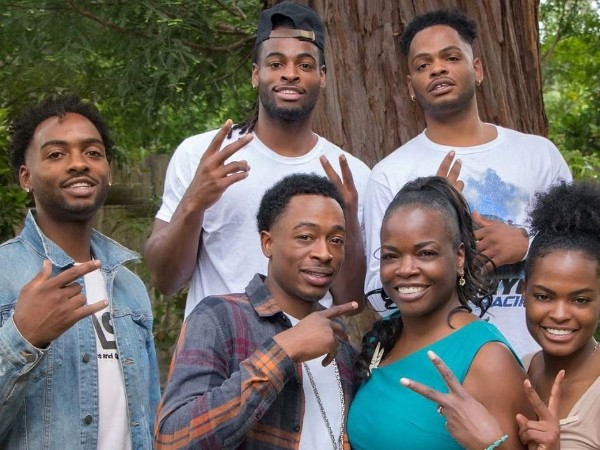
49	397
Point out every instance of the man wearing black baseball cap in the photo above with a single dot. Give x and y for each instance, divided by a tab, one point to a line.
205	229
305	24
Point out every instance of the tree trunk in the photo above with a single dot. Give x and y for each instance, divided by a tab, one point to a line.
365	107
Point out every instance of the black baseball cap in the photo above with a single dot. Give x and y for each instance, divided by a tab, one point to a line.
307	24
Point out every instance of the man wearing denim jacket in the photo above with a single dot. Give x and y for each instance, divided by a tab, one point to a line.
78	366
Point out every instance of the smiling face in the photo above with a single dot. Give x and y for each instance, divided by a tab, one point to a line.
66	169
442	71
305	247
562	300
419	261
289	78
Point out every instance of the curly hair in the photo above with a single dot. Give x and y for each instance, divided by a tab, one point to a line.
276	199
435	193
465	27
565	217
23	128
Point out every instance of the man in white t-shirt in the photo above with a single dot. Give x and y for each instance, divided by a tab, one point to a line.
78	367
500	169
270	368
205	226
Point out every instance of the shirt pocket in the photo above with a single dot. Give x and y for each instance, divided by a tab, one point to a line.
53	356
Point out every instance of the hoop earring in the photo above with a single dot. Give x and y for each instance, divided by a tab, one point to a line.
413	98
478	83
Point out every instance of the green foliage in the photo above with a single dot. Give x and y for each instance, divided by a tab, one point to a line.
159	70
13	199
571	68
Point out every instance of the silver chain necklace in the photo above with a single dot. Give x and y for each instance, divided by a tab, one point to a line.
340	445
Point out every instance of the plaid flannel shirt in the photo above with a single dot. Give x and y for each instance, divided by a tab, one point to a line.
231	386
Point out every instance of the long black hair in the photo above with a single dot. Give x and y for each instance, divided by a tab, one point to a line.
437	194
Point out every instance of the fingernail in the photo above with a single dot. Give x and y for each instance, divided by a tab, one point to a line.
431	355
404	381
228	122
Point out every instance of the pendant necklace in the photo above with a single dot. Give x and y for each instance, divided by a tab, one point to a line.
336	445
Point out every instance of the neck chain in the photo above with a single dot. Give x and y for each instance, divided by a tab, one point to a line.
336	445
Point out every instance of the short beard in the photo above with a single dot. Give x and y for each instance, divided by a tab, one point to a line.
66	212
291	114
447	108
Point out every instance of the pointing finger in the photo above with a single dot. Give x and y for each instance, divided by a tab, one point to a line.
444	167
449	378
555	393
346	172
230	149
330	171
340	310
68	276
217	142
425	391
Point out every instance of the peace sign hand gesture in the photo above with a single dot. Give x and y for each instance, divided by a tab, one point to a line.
544	433
467	420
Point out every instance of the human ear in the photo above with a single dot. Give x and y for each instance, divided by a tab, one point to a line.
25	178
266	243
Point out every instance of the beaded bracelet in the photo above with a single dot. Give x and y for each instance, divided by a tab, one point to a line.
498	443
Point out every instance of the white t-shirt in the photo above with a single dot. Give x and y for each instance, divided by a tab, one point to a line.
231	253
314	431
501	178
113	421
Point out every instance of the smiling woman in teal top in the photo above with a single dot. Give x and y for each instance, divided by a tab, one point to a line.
430	269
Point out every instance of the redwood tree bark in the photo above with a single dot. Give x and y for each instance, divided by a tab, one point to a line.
365	107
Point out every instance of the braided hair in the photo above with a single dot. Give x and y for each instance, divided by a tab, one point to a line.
437	194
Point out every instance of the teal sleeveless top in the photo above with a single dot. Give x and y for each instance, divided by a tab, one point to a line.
386	415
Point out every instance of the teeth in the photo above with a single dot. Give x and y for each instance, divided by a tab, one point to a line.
80	185
314	274
558	332
440	86
410	290
287	91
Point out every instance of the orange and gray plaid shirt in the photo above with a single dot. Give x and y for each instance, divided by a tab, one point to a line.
231	386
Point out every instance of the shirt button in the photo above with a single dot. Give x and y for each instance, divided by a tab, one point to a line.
297	428
29	357
85	357
88	419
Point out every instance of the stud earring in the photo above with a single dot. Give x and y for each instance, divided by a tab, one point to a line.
461	280
27	190
478	83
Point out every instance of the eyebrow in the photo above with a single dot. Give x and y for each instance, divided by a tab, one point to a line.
444	50
63	143
314	225
298	56
577	292
417	246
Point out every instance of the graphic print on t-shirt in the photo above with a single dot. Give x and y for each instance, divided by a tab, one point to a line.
491	196
105	334
495	199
